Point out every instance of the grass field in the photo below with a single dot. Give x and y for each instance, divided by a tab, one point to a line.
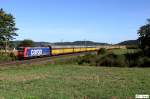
72	81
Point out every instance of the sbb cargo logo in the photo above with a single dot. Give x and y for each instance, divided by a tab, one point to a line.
36	52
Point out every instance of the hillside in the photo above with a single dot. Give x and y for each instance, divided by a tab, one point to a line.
87	43
80	43
129	42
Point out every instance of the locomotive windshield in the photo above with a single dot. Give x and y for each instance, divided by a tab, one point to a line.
20	48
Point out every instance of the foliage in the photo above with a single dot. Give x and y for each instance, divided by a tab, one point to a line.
26	43
132	58
7	57
102	51
144	36
86	59
113	58
7	27
144	61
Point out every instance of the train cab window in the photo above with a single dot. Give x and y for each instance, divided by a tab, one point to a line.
20	49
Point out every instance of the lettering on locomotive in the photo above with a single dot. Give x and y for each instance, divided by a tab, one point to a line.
36	52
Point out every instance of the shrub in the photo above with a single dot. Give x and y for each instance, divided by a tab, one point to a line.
86	59
147	52
144	62
13	56
102	51
105	61
111	60
132	58
120	61
5	58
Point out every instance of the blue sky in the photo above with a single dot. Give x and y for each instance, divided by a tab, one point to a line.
108	21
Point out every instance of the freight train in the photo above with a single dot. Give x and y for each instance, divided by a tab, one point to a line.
33	52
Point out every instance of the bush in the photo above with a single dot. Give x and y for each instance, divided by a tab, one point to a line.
144	62
106	58
132	58
105	61
13	56
7	57
102	51
111	60
86	59
147	52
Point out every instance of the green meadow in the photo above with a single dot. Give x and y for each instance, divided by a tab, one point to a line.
49	81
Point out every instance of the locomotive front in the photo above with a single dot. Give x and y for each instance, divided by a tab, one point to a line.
31	52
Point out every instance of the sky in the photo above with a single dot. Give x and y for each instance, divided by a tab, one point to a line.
109	21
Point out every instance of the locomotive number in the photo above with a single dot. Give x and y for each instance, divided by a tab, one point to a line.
36	52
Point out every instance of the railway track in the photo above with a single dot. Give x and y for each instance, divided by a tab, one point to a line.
40	60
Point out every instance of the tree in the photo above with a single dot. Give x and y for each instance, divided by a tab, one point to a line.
144	36
26	43
7	28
